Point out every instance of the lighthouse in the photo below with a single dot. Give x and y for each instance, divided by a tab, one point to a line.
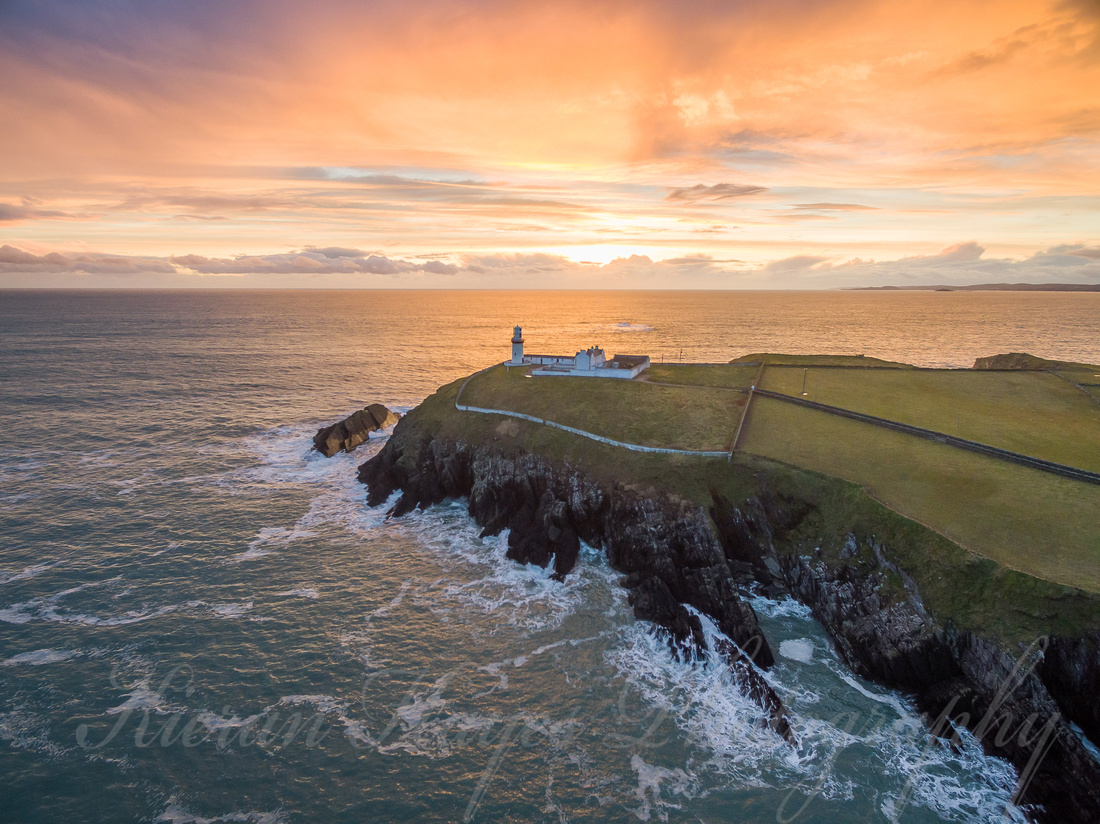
517	348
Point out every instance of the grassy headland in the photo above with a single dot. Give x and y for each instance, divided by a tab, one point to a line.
699	418
1003	550
1028	520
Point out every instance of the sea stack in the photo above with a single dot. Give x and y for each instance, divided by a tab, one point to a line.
353	430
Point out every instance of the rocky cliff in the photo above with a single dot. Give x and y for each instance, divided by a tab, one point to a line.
670	558
678	560
1018	705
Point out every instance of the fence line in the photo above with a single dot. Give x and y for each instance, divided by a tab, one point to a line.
748	402
1078	386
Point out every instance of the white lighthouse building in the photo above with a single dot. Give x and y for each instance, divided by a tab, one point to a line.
587	363
517	348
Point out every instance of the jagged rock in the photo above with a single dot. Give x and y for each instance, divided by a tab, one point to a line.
665	547
955	676
653	601
354	430
1071	670
752	684
893	643
1008	708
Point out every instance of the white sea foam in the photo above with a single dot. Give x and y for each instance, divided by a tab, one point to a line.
798	649
231	610
45	607
24	729
329	705
252	554
269	537
729	729
172	545
38	657
287	455
176	814
50	608
656	786
141	698
958	785
301	592
26	572
516	595
785	608
287	459
101	460
214	723
962	784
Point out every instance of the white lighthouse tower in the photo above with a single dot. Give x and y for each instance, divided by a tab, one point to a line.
517	348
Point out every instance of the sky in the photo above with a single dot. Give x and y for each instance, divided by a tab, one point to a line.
698	144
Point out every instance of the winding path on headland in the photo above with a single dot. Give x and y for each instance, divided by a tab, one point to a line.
696	453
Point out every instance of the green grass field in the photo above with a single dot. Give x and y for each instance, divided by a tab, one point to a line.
727	376
1028	520
636	412
1033	413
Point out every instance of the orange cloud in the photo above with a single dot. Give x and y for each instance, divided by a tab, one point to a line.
482	127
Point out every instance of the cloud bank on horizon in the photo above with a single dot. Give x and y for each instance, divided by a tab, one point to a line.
961	264
758	144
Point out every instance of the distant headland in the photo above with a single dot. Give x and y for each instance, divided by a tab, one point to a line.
984	287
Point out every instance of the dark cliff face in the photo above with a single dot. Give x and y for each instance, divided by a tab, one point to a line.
1071	670
1016	706
671	560
677	563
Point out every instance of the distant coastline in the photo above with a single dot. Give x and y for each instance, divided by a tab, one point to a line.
984	287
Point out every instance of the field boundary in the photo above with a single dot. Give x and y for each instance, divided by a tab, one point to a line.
928	434
1080	387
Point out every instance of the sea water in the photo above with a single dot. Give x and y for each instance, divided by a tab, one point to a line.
201	620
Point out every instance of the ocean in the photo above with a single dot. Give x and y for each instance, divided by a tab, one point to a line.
202	621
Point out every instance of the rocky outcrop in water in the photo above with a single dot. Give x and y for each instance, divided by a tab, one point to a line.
355	429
